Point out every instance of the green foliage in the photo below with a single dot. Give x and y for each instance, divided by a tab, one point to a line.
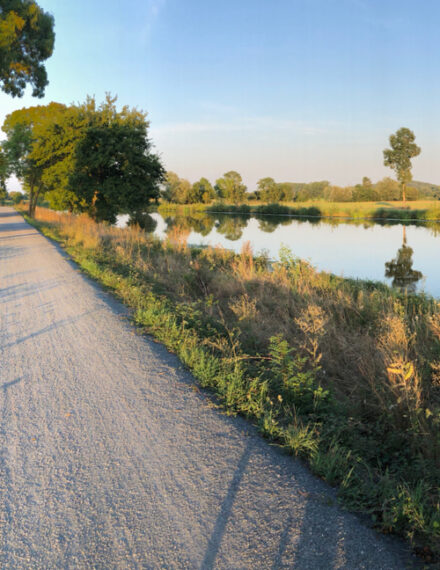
269	190
114	171
387	189
4	173
231	187
180	191
16	197
26	41
425	189
398	157
365	192
61	152
339	194
202	192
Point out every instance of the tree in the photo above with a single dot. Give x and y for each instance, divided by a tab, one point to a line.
3	174
270	191
177	190
312	190
364	192
231	187
16	197
202	192
115	171
387	189
56	141
26	40
398	157
23	129
339	194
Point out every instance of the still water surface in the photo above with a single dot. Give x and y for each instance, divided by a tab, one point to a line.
403	256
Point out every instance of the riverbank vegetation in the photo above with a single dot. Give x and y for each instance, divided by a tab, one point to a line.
411	212
343	373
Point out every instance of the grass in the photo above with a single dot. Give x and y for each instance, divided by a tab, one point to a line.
343	373
419	210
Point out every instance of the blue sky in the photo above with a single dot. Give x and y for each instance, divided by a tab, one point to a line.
294	89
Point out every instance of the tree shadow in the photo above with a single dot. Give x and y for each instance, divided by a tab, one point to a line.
13	227
225	511
7	385
55	325
17	292
33	234
8	214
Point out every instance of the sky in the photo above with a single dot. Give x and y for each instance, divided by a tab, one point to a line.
299	90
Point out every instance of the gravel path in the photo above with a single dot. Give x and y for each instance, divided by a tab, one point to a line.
111	458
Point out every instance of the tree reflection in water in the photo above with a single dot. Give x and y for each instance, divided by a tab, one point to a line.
199	223
400	270
231	226
144	221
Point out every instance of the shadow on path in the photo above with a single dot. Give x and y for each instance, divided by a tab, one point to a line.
225	512
7	385
52	326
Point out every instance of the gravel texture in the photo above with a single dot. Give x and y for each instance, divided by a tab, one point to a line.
110	457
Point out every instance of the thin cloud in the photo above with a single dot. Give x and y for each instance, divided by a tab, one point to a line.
154	8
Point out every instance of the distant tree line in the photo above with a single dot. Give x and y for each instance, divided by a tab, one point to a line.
180	190
82	158
231	189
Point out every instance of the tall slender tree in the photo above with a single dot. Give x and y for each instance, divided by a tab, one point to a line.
398	157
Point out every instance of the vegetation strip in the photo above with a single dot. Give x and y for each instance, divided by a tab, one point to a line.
343	373
319	210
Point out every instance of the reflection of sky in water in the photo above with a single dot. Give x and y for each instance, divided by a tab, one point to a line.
347	250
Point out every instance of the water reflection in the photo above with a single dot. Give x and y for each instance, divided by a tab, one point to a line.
144	221
231	226
356	248
269	224
202	224
400	270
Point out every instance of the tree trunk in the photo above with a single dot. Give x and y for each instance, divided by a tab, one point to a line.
404	192
31	200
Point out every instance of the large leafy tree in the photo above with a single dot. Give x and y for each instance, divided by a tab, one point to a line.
115	170
398	157
26	40
61	151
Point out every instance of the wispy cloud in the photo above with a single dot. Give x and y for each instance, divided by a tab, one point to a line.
154	8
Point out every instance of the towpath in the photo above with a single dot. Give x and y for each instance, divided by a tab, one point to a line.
111	458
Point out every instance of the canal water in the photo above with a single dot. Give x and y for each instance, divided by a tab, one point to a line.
405	256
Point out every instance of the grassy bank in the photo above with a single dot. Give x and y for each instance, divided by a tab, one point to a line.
419	210
344	374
